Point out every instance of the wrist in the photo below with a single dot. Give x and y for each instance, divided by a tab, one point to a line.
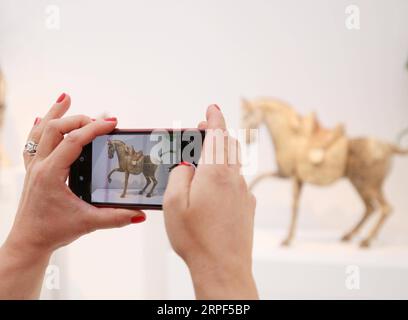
22	270
222	280
24	252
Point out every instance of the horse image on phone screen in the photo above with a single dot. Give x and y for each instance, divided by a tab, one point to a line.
132	162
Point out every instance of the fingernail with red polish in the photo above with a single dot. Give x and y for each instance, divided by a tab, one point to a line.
185	163
215	105
113	119
61	98
93	119
137	219
37	121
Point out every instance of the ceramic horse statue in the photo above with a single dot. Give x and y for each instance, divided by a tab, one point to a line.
308	153
132	162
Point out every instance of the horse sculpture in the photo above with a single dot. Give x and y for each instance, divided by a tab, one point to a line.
306	152
132	162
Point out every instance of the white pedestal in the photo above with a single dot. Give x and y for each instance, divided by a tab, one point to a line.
315	267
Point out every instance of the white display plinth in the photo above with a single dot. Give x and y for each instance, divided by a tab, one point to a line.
315	267
132	196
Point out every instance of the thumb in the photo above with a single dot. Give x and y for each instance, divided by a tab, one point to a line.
176	197
215	118
107	218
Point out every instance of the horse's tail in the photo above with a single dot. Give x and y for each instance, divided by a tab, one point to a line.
396	148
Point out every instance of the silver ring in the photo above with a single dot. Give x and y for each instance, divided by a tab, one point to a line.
31	147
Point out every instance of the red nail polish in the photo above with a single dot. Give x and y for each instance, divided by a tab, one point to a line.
93	119
215	105
61	98
113	119
185	163
37	121
137	219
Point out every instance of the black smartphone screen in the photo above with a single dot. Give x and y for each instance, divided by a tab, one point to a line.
130	168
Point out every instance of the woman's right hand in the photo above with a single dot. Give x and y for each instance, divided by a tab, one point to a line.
209	216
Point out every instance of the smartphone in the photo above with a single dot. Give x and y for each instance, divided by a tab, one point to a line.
130	168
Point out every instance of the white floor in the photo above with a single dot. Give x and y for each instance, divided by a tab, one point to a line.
132	196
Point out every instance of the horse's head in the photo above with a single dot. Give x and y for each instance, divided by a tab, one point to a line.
111	149
255	112
252	117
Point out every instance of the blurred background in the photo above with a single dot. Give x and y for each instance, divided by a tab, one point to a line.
155	63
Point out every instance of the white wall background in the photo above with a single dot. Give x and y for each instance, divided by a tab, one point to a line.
154	62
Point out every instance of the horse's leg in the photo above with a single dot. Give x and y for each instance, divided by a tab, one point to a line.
147	184
153	178
151	170
385	212
126	184
369	209
297	188
110	173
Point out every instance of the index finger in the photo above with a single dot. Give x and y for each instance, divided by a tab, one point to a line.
58	109
71	147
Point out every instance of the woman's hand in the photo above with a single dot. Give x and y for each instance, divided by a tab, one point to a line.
49	214
209	216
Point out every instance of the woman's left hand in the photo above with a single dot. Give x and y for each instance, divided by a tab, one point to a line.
50	215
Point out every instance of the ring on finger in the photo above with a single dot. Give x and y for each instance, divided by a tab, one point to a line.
31	148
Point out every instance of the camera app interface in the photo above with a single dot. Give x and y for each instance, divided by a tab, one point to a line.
133	168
